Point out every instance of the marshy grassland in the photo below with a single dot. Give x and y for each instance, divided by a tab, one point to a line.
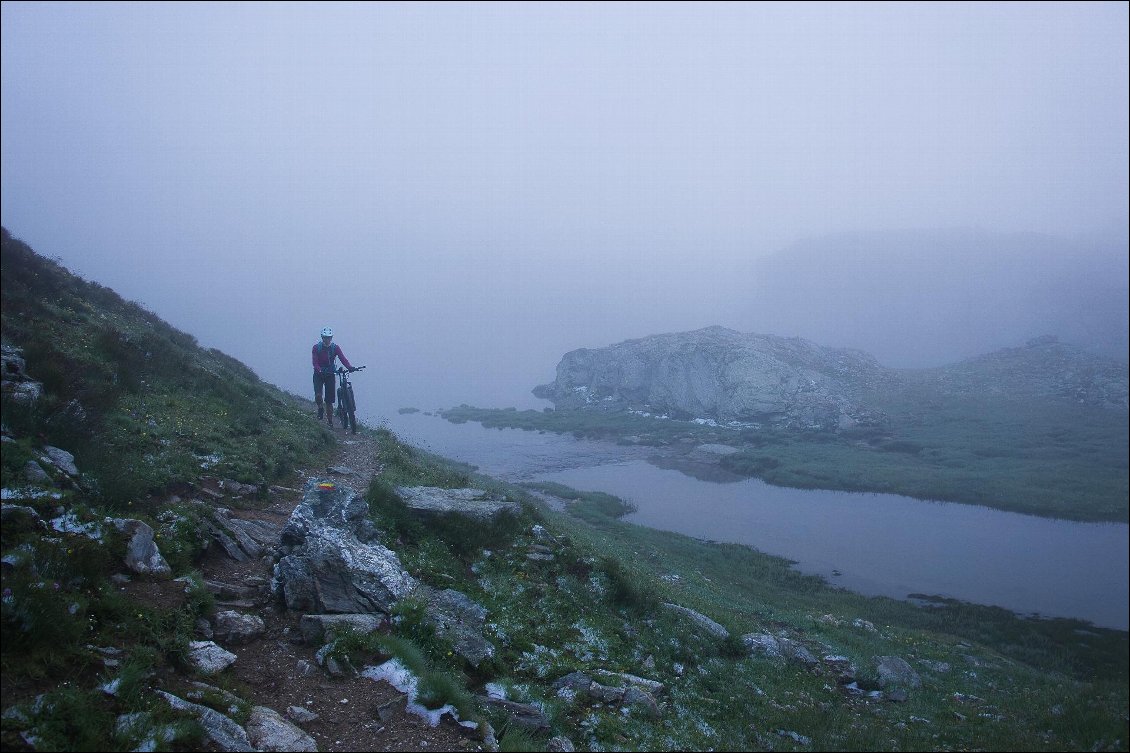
1049	458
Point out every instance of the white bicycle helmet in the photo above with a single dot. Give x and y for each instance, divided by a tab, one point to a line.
327	332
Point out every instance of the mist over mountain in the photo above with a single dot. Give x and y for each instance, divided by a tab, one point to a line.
917	298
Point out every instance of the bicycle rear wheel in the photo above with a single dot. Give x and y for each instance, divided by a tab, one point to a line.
350	410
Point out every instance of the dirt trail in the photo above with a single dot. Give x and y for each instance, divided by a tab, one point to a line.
278	671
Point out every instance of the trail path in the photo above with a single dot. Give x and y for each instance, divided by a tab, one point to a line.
278	671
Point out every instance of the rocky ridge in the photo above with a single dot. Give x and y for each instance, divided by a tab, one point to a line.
737	379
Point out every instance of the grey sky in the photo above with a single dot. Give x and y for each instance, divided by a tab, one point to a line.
466	191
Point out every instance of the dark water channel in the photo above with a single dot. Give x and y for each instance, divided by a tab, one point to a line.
874	544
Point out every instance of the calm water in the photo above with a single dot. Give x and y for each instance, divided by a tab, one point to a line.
875	544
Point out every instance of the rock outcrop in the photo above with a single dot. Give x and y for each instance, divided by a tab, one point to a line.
719	376
722	375
330	559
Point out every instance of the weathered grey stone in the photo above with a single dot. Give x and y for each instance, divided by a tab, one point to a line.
35	474
560	744
236	628
895	672
775	646
524	715
459	620
208	658
20	515
653	687
142	555
243	534
269	730
701	620
637	698
300	715
220	729
317	627
62	460
474	503
331	562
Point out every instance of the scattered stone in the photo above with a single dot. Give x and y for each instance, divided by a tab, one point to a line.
301	715
896	673
142	555
267	730
523	715
701	620
474	503
795	736
459	620
35	474
316	628
236	628
220	729
62	460
208	658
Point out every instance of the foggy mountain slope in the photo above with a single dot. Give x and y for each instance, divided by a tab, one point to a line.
930	297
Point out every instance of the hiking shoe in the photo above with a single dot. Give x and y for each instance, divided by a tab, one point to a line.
321	413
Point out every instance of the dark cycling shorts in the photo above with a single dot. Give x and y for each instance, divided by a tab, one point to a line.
327	381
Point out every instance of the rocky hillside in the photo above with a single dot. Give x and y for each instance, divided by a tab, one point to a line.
735	378
1042	369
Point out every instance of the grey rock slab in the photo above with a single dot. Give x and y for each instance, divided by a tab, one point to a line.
269	730
474	503
220	729
209	658
701	620
317	627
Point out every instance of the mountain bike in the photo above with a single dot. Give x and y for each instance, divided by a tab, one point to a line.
346	403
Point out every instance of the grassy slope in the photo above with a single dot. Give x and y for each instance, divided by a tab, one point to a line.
597	606
140	405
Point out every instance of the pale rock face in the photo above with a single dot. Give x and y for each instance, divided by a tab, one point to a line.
723	375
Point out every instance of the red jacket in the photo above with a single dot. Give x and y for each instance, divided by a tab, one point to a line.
323	358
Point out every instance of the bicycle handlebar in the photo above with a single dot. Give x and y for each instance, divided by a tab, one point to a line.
343	370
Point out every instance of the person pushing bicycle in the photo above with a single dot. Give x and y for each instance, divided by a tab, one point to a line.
322	356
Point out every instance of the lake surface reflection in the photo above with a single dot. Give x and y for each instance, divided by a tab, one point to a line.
874	544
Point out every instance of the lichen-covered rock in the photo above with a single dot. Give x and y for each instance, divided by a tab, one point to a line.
142	555
269	730
330	559
459	620
894	672
474	503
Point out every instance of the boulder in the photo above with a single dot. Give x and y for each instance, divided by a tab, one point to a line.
895	672
142	555
474	503
701	620
459	620
269	730
330	560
